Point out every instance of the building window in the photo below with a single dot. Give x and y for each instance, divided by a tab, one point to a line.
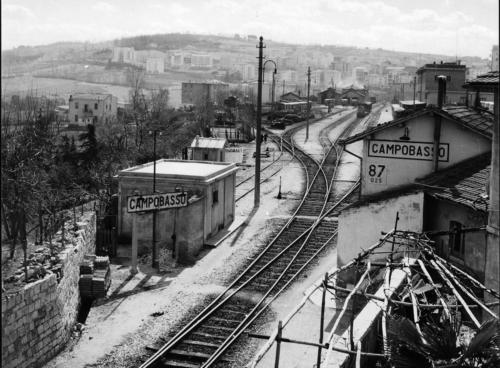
215	197
205	156
456	240
95	106
76	105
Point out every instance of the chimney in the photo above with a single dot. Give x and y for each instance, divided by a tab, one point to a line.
197	140
441	79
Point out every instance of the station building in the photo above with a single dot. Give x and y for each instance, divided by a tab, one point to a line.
444	195
210	207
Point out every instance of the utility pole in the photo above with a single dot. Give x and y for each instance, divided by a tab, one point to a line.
308	106
414	90
155	257
258	130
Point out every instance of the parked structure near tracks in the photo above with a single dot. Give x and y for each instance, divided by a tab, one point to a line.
210	190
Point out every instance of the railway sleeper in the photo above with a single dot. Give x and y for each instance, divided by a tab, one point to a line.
169	363
208	336
189	355
224	321
232	313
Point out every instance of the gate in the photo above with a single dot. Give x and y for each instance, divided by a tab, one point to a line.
106	232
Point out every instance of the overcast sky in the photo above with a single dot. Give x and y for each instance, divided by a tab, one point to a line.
450	27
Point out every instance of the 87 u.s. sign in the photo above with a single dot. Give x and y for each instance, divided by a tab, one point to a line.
159	201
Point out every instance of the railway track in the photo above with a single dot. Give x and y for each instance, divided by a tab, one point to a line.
206	338
267	172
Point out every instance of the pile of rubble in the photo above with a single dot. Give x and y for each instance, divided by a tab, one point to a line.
43	260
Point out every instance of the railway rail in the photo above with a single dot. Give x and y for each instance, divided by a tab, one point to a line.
206	338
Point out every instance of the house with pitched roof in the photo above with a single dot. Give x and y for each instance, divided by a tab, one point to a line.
425	172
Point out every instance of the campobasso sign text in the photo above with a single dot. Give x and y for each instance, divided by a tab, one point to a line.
407	150
160	201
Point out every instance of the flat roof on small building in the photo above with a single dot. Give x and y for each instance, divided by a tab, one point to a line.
206	171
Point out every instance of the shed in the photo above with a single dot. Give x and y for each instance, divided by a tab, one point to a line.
210	188
208	149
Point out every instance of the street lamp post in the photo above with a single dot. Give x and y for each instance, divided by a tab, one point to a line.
259	119
308	105
274	74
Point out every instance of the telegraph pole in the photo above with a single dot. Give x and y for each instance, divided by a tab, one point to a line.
414	90
308	106
258	130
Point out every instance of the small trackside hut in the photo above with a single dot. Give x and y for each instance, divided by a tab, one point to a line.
194	201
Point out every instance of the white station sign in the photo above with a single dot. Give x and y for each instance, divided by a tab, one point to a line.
407	150
160	201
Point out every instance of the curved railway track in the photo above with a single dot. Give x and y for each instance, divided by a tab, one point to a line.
206	338
270	170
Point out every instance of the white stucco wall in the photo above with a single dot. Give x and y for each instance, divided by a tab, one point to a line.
360	227
383	173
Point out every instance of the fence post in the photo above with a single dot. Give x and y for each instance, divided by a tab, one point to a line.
278	345
322	320
114	235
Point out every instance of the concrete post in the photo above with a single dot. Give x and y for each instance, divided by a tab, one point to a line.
133	264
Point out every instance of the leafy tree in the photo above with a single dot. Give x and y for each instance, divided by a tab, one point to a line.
437	347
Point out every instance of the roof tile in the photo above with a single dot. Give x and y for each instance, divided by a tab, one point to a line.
463	183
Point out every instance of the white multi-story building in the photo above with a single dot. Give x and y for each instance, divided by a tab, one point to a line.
91	108
123	55
201	60
494	58
248	71
155	65
288	75
360	74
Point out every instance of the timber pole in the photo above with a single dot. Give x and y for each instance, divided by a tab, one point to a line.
259	123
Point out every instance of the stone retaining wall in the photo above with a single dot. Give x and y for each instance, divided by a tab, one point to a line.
37	321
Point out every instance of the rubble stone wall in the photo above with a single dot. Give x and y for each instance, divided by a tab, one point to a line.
38	320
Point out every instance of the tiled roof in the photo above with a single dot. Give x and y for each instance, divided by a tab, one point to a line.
480	122
464	183
490	78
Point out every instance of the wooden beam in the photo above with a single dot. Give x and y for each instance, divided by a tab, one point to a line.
457	294
473	297
339	317
436	290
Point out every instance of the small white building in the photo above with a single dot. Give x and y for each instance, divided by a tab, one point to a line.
208	149
210	188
